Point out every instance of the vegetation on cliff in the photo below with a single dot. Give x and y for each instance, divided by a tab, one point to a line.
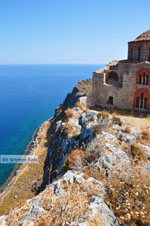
95	172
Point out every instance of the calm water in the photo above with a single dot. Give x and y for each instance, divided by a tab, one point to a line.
28	97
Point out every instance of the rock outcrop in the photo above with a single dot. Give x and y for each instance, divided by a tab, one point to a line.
86	149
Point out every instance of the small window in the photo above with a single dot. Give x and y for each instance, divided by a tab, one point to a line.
110	100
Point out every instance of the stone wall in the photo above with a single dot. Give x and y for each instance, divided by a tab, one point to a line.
122	91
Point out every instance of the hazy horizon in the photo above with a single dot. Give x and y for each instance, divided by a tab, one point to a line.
23	64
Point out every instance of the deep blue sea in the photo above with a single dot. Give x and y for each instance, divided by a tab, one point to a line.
28	96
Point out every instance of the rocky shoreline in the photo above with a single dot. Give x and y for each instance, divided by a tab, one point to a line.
18	167
82	88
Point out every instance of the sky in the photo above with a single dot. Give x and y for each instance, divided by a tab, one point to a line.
69	31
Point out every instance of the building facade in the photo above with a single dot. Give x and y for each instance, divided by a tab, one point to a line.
125	84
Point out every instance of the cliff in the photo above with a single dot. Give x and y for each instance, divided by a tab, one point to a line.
95	171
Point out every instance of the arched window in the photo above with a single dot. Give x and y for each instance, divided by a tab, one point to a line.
142	77
139	53
142	99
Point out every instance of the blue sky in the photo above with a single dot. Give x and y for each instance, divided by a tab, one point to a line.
69	31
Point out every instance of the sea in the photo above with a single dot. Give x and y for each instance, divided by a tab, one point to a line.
29	95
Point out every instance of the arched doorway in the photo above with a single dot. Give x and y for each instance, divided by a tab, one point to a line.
142	99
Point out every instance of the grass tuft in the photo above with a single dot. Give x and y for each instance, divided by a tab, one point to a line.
128	129
79	105
68	129
97	129
128	195
145	134
90	172
103	114
68	114
117	119
137	153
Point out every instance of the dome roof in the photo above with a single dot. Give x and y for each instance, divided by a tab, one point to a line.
143	37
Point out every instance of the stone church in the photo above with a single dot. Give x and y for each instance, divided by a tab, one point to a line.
125	84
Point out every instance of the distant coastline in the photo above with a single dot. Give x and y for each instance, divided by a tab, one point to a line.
39	89
18	167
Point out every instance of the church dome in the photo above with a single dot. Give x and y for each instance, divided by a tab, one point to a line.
139	49
144	36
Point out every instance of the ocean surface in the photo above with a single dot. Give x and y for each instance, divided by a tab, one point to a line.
29	95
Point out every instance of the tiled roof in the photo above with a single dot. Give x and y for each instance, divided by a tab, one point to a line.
143	37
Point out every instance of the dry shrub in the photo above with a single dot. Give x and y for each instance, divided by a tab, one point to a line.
95	221
68	129
92	189
142	115
128	195
145	134
128	129
117	120
15	213
66	208
114	114
103	114
64	184
97	129
79	105
17	204
74	159
91	157
68	114
148	116
90	172
137	153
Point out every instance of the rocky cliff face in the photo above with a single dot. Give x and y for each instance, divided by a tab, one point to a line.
95	172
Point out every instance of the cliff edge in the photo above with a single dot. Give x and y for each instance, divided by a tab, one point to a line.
95	171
